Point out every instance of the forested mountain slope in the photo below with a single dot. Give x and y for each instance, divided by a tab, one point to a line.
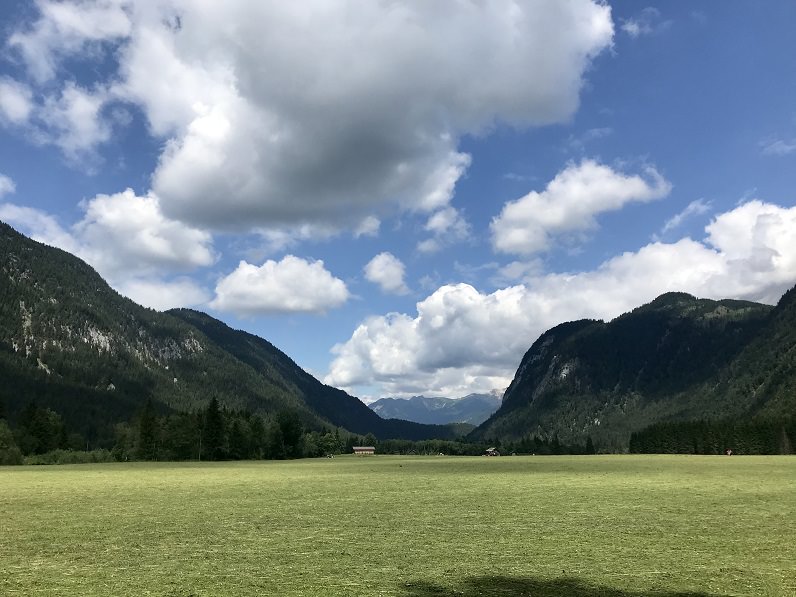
677	358
71	343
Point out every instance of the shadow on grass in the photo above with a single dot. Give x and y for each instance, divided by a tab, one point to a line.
505	586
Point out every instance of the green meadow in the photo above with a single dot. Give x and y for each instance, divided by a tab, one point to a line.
405	526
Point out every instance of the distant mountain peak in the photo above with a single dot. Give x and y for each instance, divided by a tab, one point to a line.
473	408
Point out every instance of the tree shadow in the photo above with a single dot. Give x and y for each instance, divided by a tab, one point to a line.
505	586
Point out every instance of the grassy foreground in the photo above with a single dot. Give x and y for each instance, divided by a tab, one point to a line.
406	526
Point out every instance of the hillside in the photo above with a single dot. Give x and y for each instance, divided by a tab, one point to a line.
677	358
71	343
473	408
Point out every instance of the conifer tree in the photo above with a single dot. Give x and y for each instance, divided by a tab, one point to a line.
147	433
238	442
213	448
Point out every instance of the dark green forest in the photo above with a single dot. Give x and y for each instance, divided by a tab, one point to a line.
42	437
715	437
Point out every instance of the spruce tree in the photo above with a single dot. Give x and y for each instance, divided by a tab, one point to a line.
290	425
213	448
238	441
147	433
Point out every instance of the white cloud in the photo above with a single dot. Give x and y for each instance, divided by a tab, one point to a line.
429	245
579	142
447	220
647	22
695	208
120	235
369	226
16	101
291	285
74	121
277	239
125	234
163	295
39	226
7	185
569	204
67	28
386	270
448	226
463	340
282	113
778	147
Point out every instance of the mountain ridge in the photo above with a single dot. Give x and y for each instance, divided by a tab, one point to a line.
72	343
676	358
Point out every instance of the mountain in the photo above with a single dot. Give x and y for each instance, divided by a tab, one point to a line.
69	342
677	358
473	408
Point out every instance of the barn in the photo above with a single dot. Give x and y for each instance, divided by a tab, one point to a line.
364	450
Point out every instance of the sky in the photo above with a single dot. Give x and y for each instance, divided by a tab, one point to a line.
403	195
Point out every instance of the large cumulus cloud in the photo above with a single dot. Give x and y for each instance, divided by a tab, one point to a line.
463	340
282	112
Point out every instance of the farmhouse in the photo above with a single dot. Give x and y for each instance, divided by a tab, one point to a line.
491	452
364	450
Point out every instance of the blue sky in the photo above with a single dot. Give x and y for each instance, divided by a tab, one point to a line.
403	195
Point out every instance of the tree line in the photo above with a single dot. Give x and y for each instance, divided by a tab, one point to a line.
716	437
40	436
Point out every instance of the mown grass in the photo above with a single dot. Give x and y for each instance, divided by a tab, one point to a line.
406	526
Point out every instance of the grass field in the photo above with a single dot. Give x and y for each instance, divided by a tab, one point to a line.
406	526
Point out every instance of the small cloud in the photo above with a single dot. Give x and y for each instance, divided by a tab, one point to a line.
448	227
472	273
517	271
647	22
7	185
429	282
778	147
568	207
16	102
429	245
75	122
695	208
292	285
578	142
280	239
369	226
517	177
386	270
